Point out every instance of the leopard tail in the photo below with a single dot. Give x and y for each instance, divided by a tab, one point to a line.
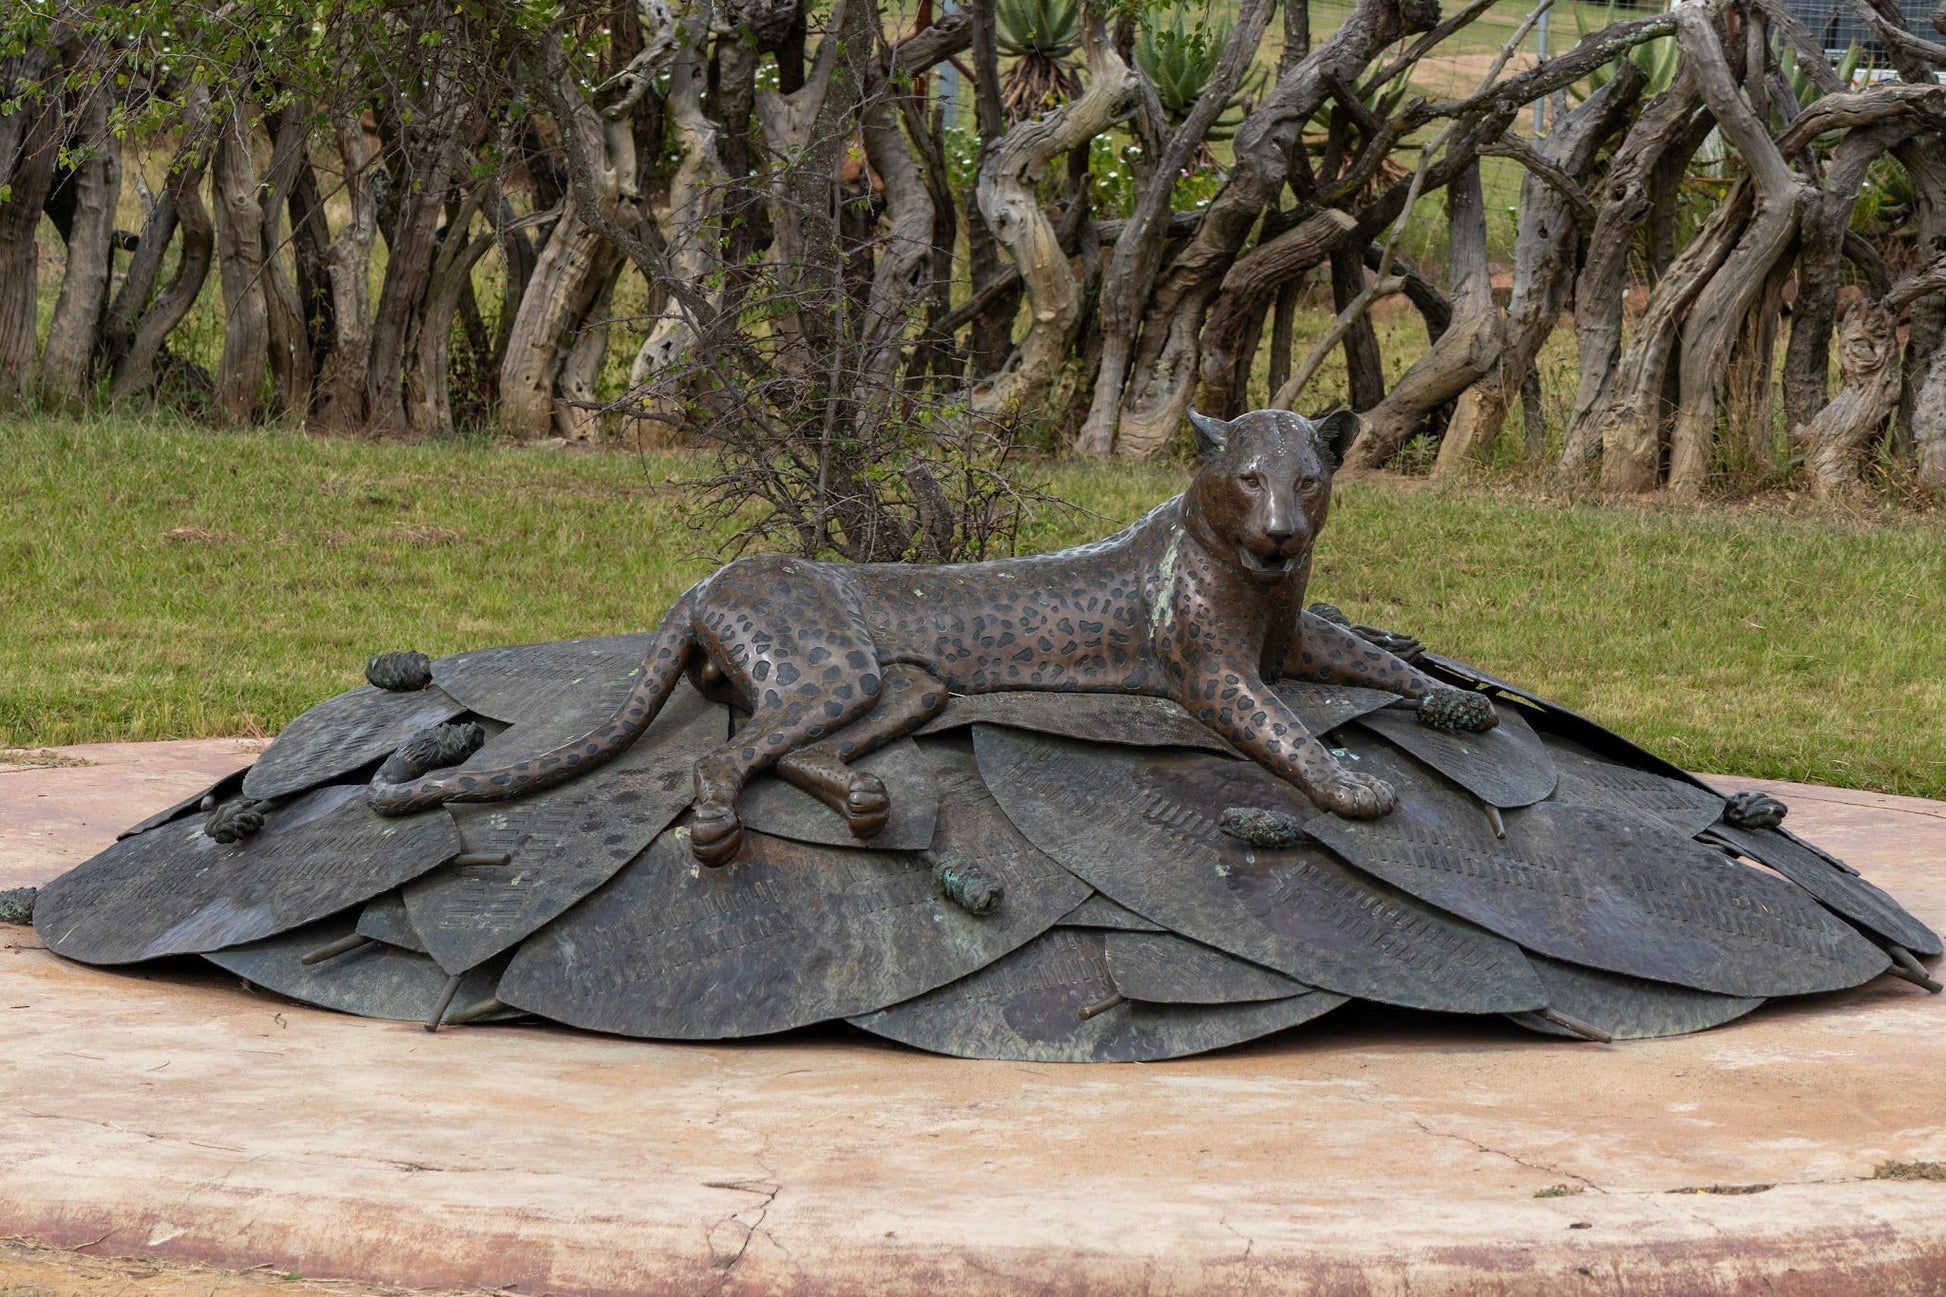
662	668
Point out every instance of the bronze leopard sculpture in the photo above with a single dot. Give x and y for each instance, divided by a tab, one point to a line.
1201	602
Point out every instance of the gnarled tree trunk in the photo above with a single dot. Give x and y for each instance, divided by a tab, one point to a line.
1465	352
75	330
1868	363
28	142
1013	212
240	265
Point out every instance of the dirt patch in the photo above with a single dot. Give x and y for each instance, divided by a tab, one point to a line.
12	759
30	1270
194	535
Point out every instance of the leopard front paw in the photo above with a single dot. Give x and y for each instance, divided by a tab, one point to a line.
1353	795
1457	710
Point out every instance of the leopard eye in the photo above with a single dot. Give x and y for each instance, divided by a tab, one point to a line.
1308	484
1251	481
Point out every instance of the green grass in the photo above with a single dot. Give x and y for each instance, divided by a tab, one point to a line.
164	581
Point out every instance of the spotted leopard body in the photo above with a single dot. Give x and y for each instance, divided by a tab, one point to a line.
1201	601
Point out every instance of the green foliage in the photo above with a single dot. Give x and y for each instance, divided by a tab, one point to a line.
1048	29
1180	56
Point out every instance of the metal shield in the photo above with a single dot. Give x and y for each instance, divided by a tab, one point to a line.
1840	890
375	980
1100	912
384	919
1611	890
1027	1007
563	842
1627	1008
1163	968
769	805
1505	766
222	790
578	683
1602	784
790	933
172	891
343	734
1141	827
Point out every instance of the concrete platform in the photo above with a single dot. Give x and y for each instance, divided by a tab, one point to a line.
182	1116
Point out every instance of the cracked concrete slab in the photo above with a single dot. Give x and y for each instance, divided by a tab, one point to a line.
177	1115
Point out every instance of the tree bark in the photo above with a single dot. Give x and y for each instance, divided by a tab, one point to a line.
134	371
1827	216
291	371
341	382
1464	353
240	265
1013	212
695	206
573	269
1712	323
27	157
1601	287
1364	364
432	148
75	331
1229	339
1868	363
1627	431
1924	160
992	338
1131	270
1166	365
1546	240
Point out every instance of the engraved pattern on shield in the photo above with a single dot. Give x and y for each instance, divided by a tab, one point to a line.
384	919
1028	1007
344	734
222	790
1838	890
1163	968
561	843
1611	890
1589	780
172	891
1100	912
1141	827
791	933
1505	766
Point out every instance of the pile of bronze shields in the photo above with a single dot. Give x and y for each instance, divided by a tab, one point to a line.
1064	877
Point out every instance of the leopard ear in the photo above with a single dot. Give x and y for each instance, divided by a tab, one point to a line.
1335	433
1212	435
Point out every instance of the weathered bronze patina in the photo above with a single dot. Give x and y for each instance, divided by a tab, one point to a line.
1200	603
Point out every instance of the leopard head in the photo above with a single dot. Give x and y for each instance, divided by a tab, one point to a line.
1263	487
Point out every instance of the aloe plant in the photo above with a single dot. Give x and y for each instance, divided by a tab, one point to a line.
1657	59
1040	36
1179	57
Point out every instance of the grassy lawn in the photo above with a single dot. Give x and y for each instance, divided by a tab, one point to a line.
163	581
